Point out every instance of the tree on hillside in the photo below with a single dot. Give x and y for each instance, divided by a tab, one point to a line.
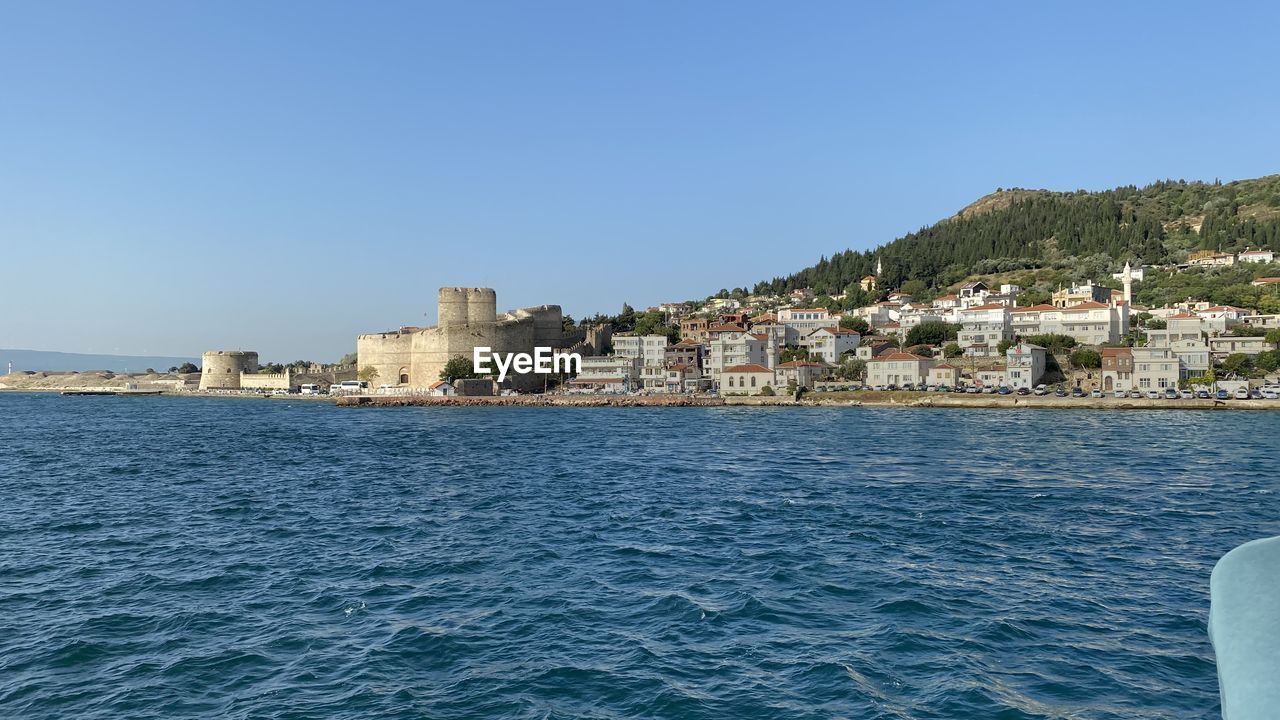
793	352
368	374
1273	337
1238	364
952	350
458	367
1086	358
1267	361
1003	346
932	333
187	367
348	359
851	368
856	324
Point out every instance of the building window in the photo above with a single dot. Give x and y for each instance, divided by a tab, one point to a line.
404	378
730	381
753	381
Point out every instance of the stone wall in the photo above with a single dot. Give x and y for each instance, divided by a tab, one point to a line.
414	358
221	369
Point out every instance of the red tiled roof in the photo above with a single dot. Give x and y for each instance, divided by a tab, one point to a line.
1268	280
760	336
749	368
898	356
1091	305
1034	308
946	366
729	327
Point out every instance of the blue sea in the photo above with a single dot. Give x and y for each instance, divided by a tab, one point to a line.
221	558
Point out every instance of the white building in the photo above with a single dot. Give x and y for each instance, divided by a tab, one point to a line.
829	343
983	327
740	348
650	349
1024	365
898	368
1257	256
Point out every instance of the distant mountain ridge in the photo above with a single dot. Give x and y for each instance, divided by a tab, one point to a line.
1018	228
74	362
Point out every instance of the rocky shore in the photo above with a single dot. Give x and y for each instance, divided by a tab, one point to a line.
858	399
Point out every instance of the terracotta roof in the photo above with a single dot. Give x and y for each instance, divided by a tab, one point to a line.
1110	351
946	366
1267	279
679	366
836	331
1184	316
1091	305
436	384
728	327
760	336
869	277
748	368
1217	308
1034	308
988	306
946	297
897	356
687	344
1257	252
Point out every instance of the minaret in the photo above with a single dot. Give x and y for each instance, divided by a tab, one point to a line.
879	270
1127	279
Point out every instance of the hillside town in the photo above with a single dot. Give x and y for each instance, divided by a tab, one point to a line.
1088	338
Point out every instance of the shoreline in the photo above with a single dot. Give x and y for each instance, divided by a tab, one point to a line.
867	399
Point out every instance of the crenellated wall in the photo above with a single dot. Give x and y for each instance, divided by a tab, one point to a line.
220	369
468	319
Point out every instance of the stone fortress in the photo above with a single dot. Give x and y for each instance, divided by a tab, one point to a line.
413	357
222	369
238	370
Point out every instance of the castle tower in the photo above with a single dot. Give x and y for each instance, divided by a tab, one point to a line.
451	306
1127	279
220	369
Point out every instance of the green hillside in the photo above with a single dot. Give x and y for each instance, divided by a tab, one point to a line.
1019	229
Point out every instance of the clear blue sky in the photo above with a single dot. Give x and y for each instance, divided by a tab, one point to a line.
281	176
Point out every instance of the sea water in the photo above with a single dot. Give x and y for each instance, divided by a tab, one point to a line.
222	558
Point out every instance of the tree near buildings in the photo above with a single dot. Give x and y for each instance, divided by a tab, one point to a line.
932	333
1086	358
458	367
1238	364
851	368
856	324
952	350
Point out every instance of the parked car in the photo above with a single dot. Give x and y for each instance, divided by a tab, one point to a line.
973	390
1269	394
1186	395
1121	394
1077	392
989	390
1095	394
1255	394
1170	394
1041	389
1202	395
1023	391
1136	394
1222	395
1003	390
1242	394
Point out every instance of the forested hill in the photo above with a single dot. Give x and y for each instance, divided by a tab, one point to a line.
1015	229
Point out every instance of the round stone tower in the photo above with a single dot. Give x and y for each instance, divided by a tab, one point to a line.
482	306
451	305
220	369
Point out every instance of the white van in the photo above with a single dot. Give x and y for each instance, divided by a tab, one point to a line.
354	387
310	390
